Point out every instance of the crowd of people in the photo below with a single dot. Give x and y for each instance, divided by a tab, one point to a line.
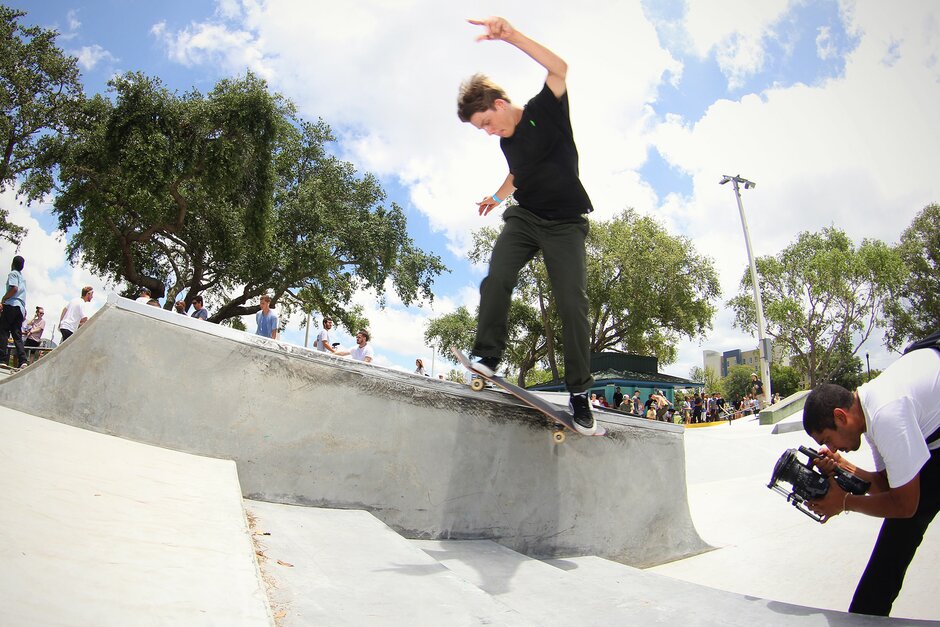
694	409
27	334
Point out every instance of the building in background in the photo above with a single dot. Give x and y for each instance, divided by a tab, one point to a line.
721	363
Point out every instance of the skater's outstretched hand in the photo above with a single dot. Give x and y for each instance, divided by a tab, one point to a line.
486	205
497	28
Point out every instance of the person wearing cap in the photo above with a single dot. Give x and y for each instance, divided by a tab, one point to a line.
323	342
13	312
144	295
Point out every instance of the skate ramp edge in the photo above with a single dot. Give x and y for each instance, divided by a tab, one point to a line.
430	458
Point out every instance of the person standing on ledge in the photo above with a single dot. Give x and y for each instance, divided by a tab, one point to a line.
550	217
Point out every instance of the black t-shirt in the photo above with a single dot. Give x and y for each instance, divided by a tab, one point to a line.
543	160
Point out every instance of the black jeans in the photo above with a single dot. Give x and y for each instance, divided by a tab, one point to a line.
11	325
562	244
897	542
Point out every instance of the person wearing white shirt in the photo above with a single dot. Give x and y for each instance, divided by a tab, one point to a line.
899	416
362	352
76	313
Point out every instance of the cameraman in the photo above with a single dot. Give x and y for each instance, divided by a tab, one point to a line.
899	415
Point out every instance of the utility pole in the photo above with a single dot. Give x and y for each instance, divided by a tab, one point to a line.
765	349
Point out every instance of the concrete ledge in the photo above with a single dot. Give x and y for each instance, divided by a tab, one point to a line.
784	409
430	458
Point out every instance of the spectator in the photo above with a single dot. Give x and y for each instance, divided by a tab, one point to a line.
266	319
144	296
76	313
35	328
757	388
697	408
626	405
419	367
13	313
618	396
199	312
362	352
637	402
153	302
686	410
662	404
323	342
180	307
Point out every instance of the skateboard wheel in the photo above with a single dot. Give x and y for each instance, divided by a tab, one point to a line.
476	385
558	437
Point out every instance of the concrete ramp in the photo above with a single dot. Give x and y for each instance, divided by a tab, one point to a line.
432	459
96	530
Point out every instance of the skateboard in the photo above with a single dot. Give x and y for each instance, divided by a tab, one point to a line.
561	418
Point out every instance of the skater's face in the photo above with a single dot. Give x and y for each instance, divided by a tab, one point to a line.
497	120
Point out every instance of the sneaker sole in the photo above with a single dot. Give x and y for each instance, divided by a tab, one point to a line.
585	431
481	369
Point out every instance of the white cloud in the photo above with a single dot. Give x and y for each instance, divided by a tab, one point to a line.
72	18
824	46
736	30
213	43
91	56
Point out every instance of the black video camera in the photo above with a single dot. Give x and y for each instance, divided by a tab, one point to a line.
808	483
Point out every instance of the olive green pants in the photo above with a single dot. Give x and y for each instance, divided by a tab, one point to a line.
562	245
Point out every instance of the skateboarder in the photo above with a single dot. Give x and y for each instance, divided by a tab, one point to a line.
539	147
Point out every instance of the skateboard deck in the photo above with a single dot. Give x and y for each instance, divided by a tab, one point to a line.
561	418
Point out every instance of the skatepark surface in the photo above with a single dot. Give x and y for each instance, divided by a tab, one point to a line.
97	529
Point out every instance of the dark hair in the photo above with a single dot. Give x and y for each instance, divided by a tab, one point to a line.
365	334
197	299
18	263
477	94
821	403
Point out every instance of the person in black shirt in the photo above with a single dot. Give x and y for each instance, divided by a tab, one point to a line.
549	216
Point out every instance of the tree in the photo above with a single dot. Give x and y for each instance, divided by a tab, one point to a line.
819	291
524	349
915	313
39	91
708	377
846	369
647	289
785	380
229	195
737	383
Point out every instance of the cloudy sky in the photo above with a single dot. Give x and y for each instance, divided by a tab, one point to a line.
829	106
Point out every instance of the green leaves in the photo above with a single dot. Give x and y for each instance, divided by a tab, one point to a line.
228	195
39	89
915	312
820	293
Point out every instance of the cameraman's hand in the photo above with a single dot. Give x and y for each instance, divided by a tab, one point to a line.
831	504
828	461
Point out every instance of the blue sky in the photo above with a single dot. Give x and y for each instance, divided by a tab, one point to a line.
829	106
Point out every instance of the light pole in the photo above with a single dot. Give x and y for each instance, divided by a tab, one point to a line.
761	329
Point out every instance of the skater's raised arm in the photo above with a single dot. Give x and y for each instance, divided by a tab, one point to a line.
499	29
